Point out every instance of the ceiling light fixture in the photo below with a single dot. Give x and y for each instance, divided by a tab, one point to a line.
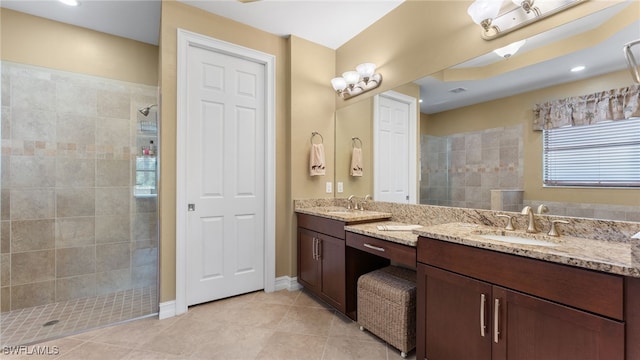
353	83
486	13
69	2
507	51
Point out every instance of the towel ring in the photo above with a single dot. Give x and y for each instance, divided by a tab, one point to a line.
313	134
355	141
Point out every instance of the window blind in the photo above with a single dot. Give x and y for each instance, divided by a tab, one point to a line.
599	155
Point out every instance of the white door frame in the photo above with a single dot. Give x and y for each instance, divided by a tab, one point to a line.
413	150
185	40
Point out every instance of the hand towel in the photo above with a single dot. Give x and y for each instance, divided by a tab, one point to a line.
398	227
356	162
316	160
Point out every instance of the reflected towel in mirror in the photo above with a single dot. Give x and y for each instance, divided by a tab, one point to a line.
356	162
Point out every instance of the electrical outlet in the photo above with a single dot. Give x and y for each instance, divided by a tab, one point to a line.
340	186
329	189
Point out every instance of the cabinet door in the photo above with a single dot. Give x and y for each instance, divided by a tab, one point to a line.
332	255
308	265
532	328
457	311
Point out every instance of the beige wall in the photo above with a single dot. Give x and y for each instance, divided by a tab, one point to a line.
177	15
517	109
37	41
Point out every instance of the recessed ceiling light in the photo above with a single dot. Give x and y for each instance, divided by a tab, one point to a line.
69	2
578	68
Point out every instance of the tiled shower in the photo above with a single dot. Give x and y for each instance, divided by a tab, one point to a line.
78	195
461	169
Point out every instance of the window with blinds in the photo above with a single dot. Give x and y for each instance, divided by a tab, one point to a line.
599	155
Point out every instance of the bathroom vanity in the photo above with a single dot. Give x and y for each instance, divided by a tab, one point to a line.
478	303
484	292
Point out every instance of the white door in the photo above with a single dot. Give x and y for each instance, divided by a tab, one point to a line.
395	150
225	175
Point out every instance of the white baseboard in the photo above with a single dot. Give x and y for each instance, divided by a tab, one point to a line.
167	309
288	283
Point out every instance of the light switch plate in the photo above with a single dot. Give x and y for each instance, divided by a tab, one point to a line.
340	186
329	188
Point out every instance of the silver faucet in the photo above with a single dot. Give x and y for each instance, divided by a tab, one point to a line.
542	209
509	225
531	228
366	198
553	231
349	206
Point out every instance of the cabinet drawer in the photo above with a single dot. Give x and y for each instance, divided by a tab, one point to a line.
322	225
584	289
399	253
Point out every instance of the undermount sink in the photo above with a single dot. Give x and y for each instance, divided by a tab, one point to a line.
518	240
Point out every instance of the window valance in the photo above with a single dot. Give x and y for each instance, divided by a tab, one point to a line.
615	104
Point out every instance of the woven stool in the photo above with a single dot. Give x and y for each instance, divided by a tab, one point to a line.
387	306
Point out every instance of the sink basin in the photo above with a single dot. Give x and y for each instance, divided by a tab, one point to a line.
518	240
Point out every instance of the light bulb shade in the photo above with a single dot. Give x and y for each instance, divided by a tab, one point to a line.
338	84
482	10
351	77
366	70
510	49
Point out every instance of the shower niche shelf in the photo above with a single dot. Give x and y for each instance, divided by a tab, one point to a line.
146	183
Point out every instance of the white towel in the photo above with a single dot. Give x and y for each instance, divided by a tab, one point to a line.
356	162
316	160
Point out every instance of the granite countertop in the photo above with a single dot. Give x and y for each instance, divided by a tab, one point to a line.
622	258
342	214
404	237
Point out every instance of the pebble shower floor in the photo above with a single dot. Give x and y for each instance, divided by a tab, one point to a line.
25	326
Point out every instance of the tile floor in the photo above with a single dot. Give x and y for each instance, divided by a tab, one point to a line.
280	325
27	325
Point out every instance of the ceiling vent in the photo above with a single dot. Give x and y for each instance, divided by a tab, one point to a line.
457	90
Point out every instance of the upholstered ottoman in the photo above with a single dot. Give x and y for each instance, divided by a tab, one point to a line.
387	306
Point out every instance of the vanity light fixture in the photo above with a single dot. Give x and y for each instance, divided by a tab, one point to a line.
353	83
497	20
69	2
507	51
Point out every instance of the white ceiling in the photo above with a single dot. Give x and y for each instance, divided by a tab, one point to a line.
331	23
327	22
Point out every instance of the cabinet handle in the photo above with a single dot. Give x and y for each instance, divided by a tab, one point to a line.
373	247
315	251
483	325
496	321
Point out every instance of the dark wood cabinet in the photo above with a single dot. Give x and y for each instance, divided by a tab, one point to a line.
327	267
321	266
466	313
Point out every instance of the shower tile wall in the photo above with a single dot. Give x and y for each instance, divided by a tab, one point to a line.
70	225
461	170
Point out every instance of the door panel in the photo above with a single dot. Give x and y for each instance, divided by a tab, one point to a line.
225	175
392	156
453	316
540	329
332	254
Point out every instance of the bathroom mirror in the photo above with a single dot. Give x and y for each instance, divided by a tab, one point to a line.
445	110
